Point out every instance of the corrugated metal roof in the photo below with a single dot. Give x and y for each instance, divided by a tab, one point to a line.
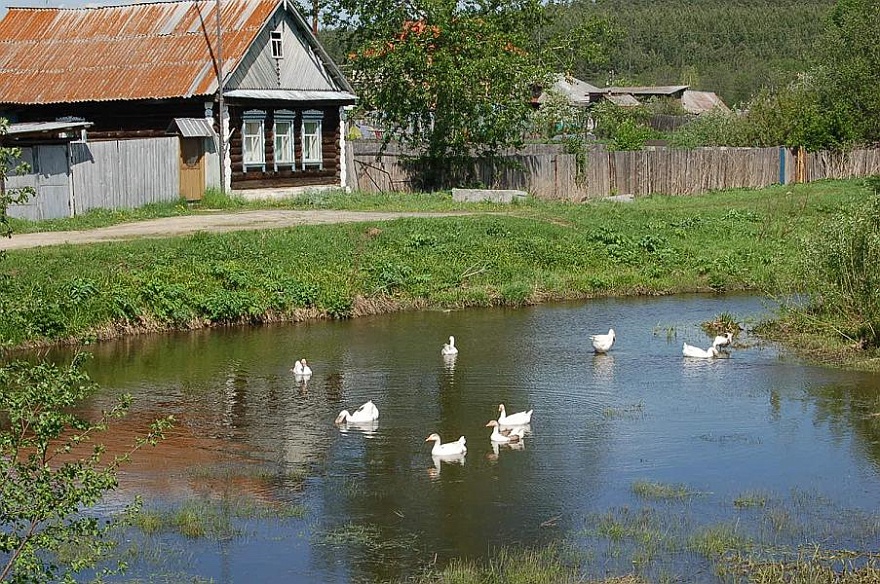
193	127
700	102
43	127
577	91
341	97
647	89
624	100
140	51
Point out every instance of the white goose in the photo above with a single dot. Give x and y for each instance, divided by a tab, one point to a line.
456	448
449	348
517	419
505	436
301	368
698	353
366	413
723	340
602	343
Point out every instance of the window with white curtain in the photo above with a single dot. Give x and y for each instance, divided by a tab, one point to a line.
284	140
253	140
311	138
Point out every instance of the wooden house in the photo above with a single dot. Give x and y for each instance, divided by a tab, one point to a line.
143	71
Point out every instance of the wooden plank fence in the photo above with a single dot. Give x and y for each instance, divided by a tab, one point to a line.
548	172
124	174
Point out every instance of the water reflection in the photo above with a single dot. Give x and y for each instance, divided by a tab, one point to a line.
366	427
457	459
641	412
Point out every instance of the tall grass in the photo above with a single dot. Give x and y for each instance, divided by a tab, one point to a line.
743	240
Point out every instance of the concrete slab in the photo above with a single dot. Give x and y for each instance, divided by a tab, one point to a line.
492	195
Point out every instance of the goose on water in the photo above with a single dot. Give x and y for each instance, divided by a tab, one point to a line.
366	413
456	448
449	348
723	340
602	343
505	436
698	353
301	368
517	419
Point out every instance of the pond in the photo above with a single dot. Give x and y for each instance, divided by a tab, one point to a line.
627	457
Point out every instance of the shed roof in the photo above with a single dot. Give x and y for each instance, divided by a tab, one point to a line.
699	102
140	51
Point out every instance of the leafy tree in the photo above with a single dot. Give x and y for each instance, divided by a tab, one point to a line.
453	79
10	163
850	70
53	472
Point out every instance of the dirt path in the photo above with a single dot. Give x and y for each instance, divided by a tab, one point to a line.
211	222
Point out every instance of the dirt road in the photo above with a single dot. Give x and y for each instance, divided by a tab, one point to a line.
211	222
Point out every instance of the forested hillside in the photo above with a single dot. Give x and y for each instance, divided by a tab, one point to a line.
732	47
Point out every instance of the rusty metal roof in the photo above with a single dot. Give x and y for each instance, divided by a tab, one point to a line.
140	51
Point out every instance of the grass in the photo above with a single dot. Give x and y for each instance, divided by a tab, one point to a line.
532	252
658	491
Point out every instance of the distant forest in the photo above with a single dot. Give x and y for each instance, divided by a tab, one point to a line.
731	47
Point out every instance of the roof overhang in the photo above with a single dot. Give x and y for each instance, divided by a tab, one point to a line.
45	130
293	96
192	127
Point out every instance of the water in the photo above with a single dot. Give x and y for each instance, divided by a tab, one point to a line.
377	507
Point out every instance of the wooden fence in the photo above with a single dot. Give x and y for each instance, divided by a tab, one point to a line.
548	172
124	174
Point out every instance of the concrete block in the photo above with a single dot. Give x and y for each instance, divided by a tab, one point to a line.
493	195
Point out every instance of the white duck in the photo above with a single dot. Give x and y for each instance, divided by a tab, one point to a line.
366	413
517	419
698	353
301	368
602	343
449	348
505	436
455	449
723	340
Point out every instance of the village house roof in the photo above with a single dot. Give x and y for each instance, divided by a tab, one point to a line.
142	51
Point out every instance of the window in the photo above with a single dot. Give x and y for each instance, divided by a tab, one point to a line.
277	47
311	138
252	145
284	141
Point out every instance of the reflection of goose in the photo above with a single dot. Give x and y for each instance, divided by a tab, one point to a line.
602	343
453	449
603	365
434	472
302	369
449	348
449	361
698	353
367	428
722	340
517	419
505	436
366	413
497	446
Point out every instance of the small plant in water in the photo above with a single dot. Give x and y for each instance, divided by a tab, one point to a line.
723	323
651	490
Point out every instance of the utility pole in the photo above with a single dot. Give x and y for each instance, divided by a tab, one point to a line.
315	8
222	141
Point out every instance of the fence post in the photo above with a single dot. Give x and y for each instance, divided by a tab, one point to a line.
782	165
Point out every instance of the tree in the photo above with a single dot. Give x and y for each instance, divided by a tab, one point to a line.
849	66
453	79
49	482
10	163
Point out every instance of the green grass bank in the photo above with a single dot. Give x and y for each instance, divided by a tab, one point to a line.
515	255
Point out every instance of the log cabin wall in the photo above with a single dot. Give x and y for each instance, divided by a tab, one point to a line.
290	176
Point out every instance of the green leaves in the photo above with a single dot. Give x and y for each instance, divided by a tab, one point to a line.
52	471
451	79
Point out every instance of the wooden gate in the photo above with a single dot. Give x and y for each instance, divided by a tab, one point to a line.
192	168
